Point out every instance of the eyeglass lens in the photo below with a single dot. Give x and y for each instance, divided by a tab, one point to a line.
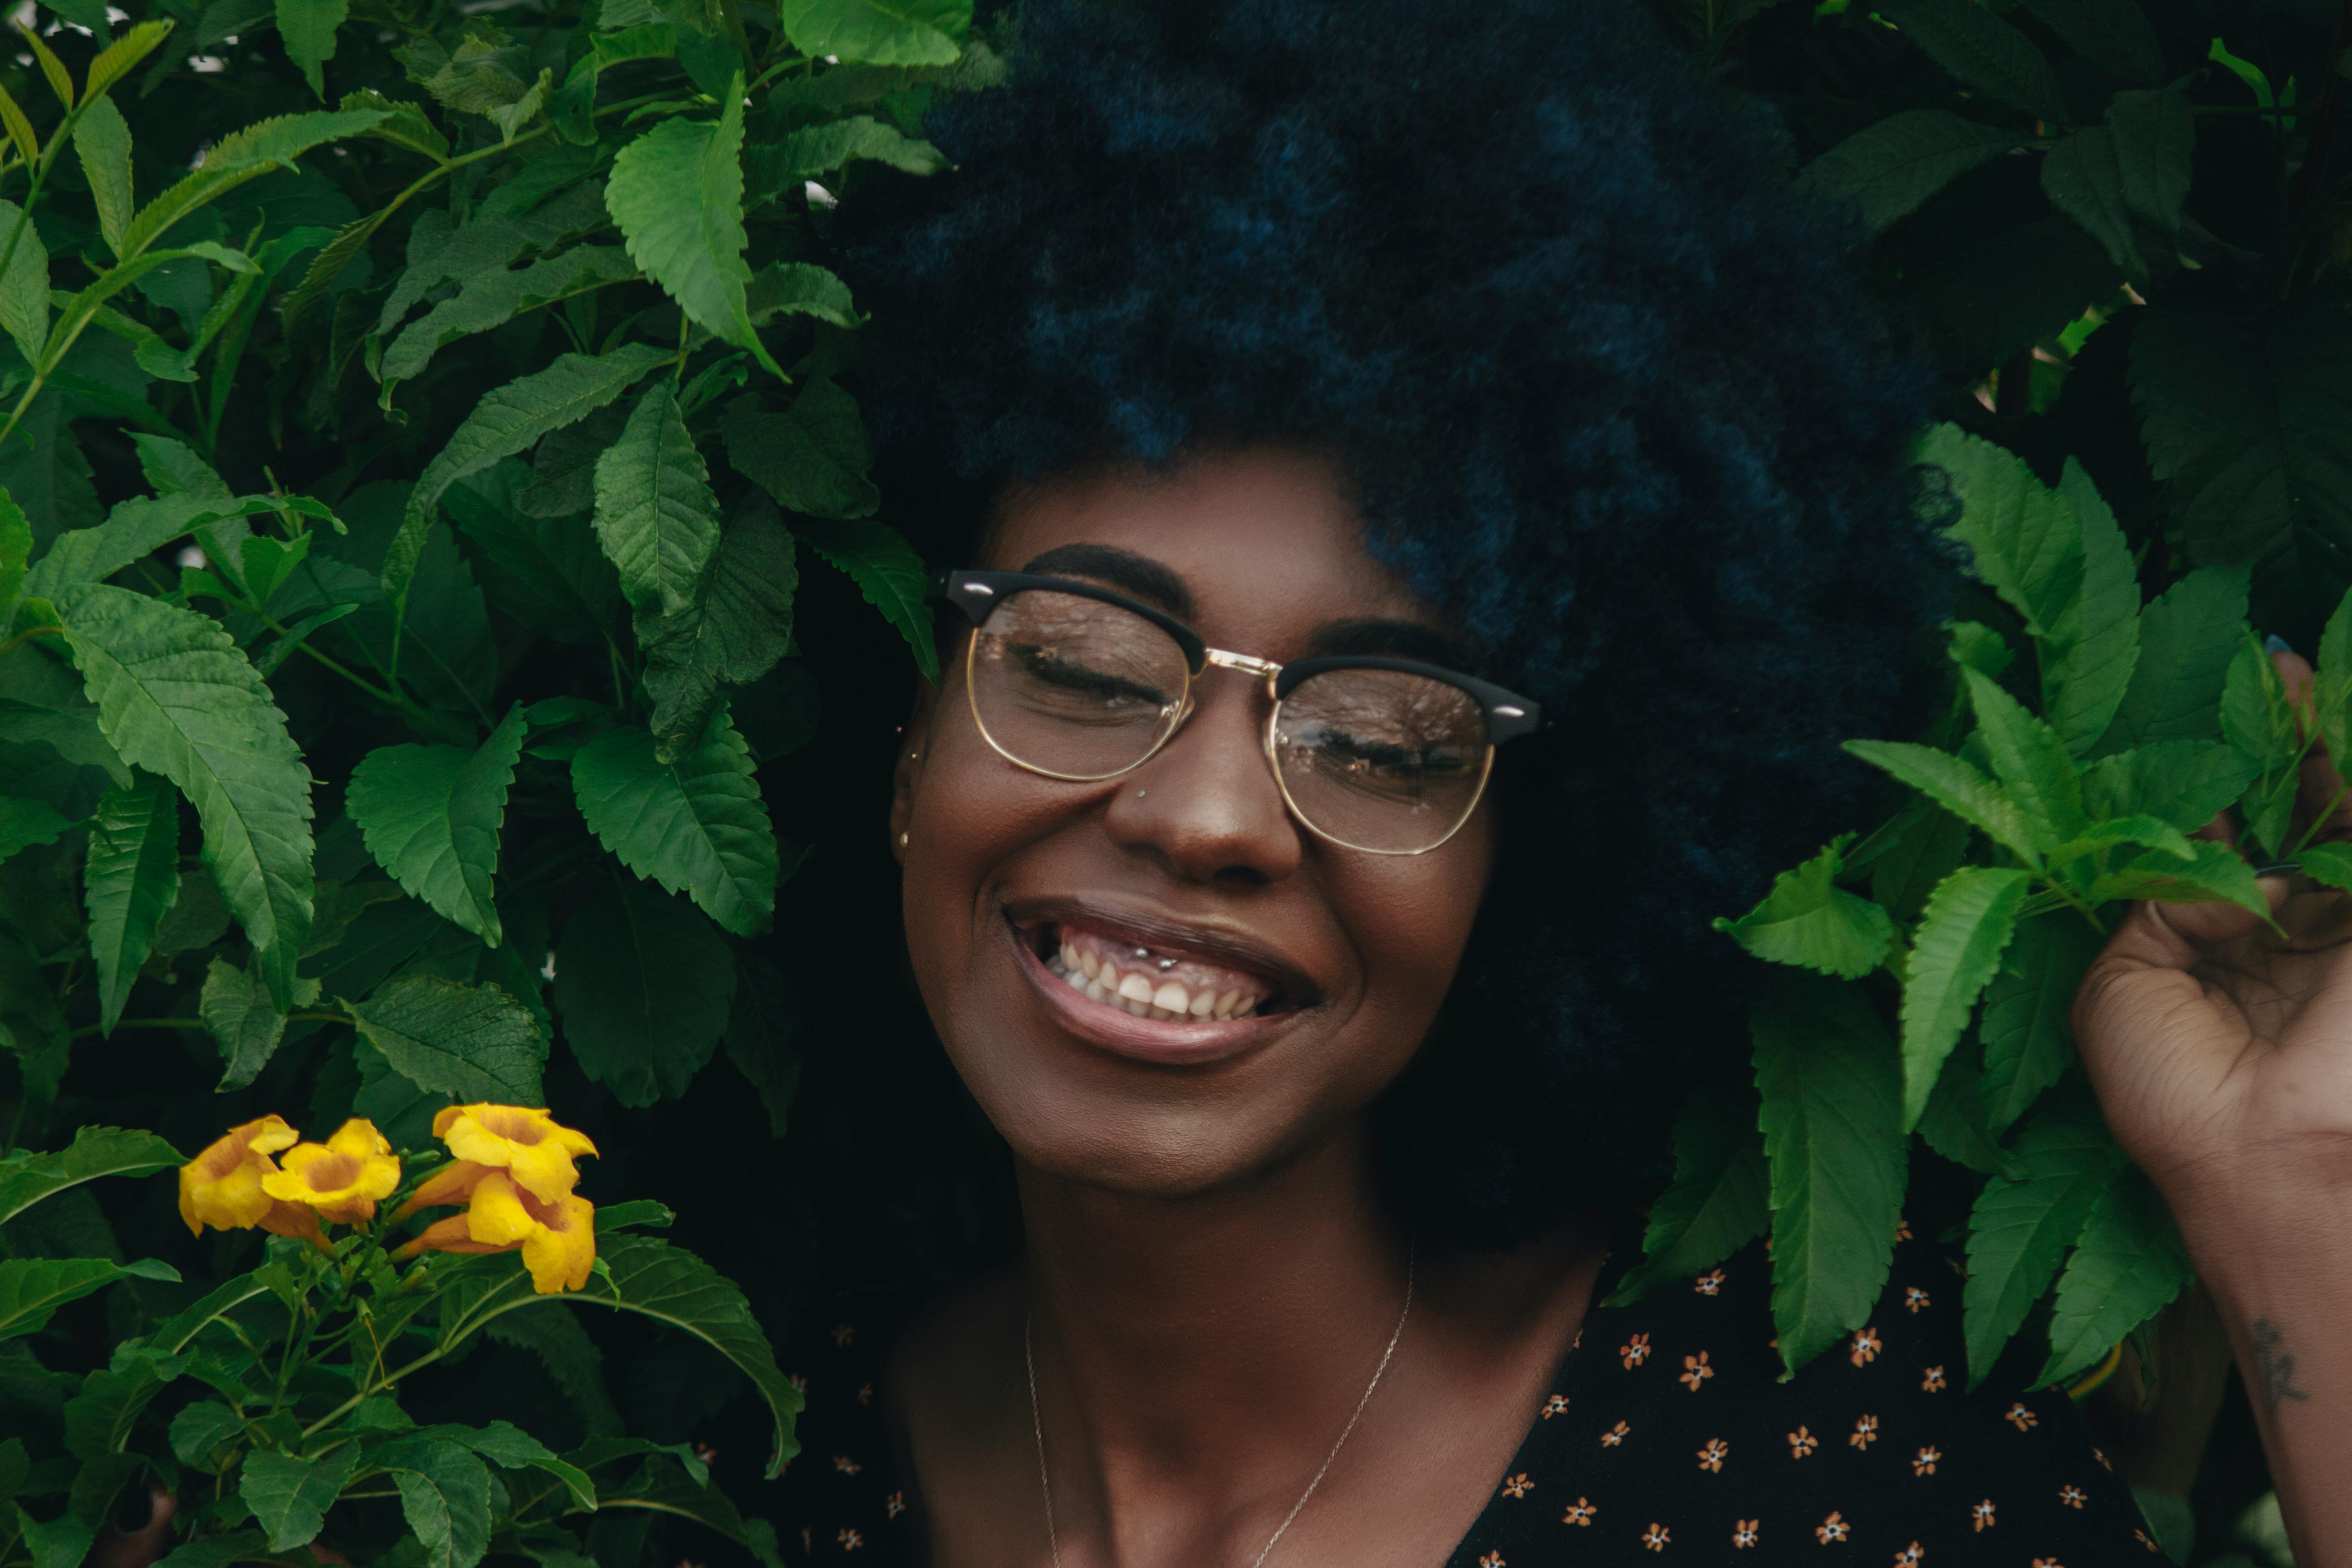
1382	760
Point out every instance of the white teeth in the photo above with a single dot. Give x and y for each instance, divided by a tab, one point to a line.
1095	992
1246	1008
1163	1014
1069	956
1203	1004
1171	998
1226	1003
1140	1009
1091	962
1136	988
1108	975
1077	981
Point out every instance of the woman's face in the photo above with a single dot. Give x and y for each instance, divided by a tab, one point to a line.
1187	870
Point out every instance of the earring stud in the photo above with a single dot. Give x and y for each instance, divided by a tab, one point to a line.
902	841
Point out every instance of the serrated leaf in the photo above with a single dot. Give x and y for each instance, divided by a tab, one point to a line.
98	1419
2084	685
2181	783
199	1430
655	515
504	423
241	155
102	141
1957	787
176	698
1957	1123
2143	832
32	1288
643	983
1720	1198
799	289
2217	875
307	26
26	1178
2155	143
1889	169
2187	638
878	32
431	816
733	635
2330	865
130	882
1956	949
121	57
238	1009
469	1042
812	458
2127	1265
20	129
23	285
2024	539
15	551
493	298
669	1285
510	1447
2036	775
290	1497
677	194
570	1358
771	167
2083	180
887	571
510	118
2112	34
2021	1226
443	1496
547	573
1832	1119
1808	920
697	826
1981	50
25	823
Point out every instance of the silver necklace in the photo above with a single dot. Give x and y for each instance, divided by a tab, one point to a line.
1046	1479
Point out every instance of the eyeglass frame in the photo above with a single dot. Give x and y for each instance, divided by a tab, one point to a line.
1507	714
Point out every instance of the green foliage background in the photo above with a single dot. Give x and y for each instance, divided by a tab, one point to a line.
441	592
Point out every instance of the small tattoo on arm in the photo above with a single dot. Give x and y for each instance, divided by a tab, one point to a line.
2276	1367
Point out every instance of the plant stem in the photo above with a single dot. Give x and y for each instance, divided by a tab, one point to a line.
21	638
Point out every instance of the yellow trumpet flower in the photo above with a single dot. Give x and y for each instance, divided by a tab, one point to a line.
558	1241
222	1186
527	1144
341	1179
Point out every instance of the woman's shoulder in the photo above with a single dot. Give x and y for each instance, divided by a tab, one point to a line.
1671	1425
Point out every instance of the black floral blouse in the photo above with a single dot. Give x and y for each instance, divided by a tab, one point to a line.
1667	1433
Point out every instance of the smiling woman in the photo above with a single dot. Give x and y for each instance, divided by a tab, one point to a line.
1424	510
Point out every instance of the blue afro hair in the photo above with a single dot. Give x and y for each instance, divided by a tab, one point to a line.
1608	398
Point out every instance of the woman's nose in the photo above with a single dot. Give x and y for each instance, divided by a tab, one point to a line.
1206	806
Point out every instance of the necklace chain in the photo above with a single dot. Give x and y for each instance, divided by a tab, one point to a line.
1046	1479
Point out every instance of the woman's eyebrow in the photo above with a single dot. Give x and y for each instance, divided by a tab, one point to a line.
1394	638
1122	569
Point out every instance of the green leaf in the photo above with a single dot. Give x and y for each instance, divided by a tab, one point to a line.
134	530
491	298
505	422
16	549
1980	49
1832	1135
176	698
198	1431
1721	1197
1962	932
2021	1226
510	1448
26	1178
1924	843
644	984
238	1010
290	1497
2247	418
102	141
2084	683
118	58
25	823
1959	788
677	194
31	1289
697	826
443	1496
431	816
2036	775
2187	638
821	148
570	1357
760	1030
887	571
813	458
2330	865
2155	142
2084	179
1808	920
655	515
2217	875
2180	782
546	571
25	286
510	118
2112	34
243	155
1956	1123
799	289
2145	832
61	1542
130	882
733	634
669	1285
2026	542
2129	1266
1889	169
469	1042
98	1419
878	32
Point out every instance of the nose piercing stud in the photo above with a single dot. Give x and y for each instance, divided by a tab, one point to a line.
1142	793
902	841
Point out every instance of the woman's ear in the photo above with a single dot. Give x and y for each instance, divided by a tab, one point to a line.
907	772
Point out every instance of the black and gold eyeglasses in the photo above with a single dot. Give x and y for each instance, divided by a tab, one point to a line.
1079	682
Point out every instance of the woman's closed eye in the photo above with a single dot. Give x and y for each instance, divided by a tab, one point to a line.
1051	668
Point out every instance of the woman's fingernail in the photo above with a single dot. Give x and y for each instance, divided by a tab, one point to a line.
2275	643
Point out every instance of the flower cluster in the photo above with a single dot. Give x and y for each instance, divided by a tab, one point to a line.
235	1184
514	1173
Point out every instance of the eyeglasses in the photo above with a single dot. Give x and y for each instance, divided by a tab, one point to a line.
1077	682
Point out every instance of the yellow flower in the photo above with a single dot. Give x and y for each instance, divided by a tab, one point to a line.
222	1186
342	1178
453	1183
525	1143
558	1239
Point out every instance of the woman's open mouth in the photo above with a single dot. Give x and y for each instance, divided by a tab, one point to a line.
1129	989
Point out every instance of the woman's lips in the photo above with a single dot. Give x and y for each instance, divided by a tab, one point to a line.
1129	1026
1146	981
